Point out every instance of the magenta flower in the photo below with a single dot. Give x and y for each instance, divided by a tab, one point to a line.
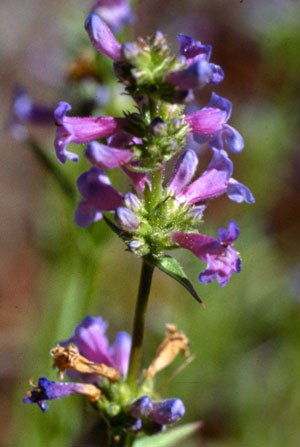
91	340
107	157
116	13
80	130
102	38
209	124
213	182
221	258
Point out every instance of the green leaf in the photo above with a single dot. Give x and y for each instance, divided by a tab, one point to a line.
171	267
170	438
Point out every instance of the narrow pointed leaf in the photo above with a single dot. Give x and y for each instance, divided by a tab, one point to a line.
170	438
171	267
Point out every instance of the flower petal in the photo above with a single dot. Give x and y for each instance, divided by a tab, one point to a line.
102	38
107	157
183	172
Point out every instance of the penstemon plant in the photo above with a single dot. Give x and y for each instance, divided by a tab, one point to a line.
162	210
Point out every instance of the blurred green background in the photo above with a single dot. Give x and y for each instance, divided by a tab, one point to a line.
244	382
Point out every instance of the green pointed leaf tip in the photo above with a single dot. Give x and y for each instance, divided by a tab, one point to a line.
170	438
171	267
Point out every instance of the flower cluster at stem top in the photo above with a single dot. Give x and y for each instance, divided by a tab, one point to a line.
162	211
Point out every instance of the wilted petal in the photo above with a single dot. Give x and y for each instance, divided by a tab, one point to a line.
102	38
107	157
183	172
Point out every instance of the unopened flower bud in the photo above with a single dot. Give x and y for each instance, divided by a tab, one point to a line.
127	220
167	411
132	202
141	407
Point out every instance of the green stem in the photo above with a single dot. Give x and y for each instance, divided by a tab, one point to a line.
139	323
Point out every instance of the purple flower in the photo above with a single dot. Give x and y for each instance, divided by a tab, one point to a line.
213	182
167	411
199	71
26	111
95	187
49	390
107	157
102	38
80	130
91	340
116	13
221	258
209	124
192	49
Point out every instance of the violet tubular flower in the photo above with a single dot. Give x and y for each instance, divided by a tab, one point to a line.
213	182
199	71
221	258
210	124
49	390
80	130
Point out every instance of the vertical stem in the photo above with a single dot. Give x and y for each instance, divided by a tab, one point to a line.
139	323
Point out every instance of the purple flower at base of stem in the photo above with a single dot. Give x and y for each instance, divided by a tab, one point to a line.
49	390
167	411
91	340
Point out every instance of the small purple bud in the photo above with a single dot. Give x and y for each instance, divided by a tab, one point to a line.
127	220
102	38
141	407
134	246
132	202
167	411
